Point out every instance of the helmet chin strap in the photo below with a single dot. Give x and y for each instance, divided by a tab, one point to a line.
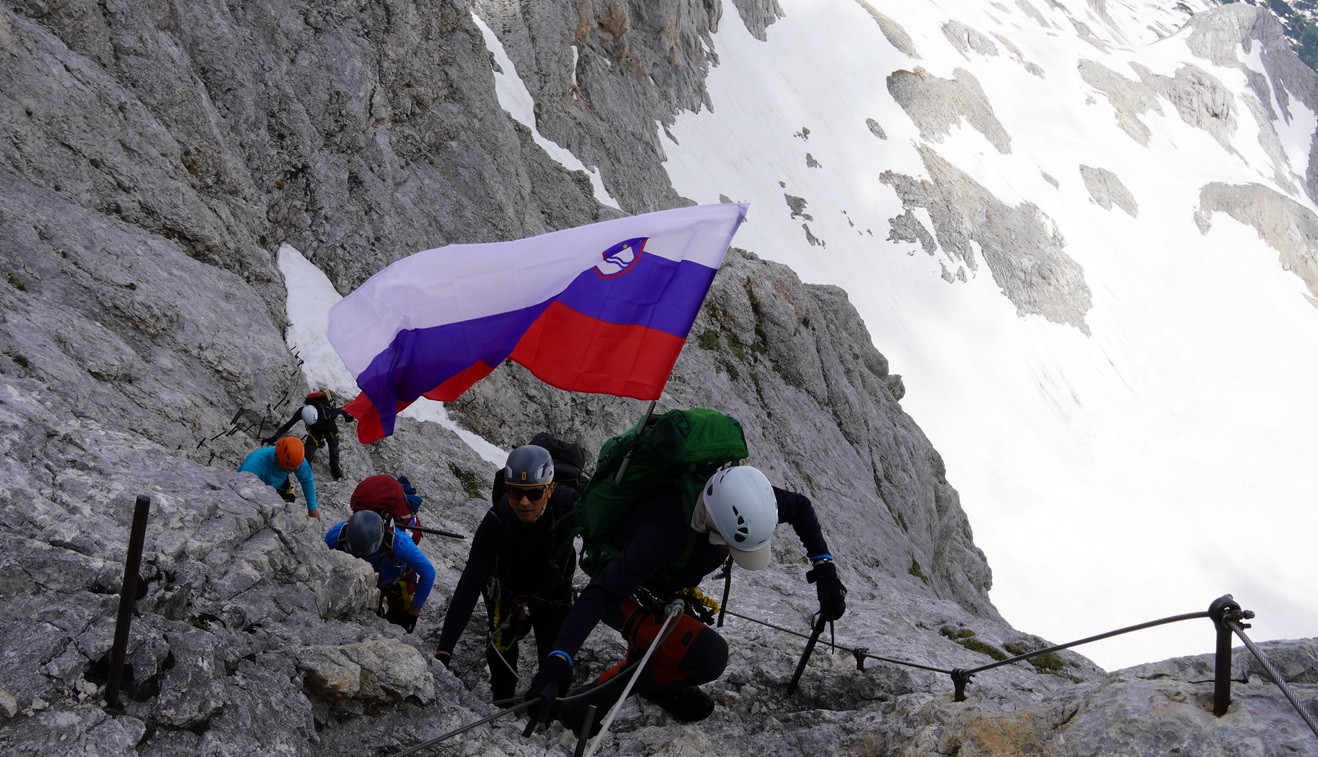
700	515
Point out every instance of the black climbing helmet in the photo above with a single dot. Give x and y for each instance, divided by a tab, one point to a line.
528	466
364	533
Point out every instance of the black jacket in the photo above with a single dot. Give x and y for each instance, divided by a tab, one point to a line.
324	425
520	555
652	539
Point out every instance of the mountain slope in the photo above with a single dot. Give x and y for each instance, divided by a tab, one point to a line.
155	158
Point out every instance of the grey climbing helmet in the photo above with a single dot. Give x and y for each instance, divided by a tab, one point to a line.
529	465
363	533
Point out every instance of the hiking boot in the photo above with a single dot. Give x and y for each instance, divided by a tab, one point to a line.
684	705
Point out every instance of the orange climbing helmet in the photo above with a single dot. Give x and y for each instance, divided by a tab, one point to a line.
289	452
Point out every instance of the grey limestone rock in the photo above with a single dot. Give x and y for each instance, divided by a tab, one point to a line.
936	105
965	39
377	670
1023	251
1107	190
895	34
1287	226
1129	99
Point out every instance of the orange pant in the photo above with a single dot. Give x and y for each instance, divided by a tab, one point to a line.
691	654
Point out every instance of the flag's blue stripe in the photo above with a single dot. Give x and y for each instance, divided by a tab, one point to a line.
656	292
418	360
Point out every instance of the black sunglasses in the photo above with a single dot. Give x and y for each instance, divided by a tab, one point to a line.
530	495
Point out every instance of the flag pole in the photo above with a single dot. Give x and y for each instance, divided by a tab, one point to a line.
626	461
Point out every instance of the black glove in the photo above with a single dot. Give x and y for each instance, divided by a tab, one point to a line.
445	658
546	685
832	594
401	618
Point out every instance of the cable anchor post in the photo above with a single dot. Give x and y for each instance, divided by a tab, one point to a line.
1220	611
960	677
860	653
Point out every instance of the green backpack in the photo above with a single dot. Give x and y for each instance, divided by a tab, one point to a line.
678	451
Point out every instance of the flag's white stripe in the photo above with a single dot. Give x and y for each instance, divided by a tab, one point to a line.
464	282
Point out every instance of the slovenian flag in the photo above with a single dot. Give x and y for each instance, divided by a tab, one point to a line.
603	308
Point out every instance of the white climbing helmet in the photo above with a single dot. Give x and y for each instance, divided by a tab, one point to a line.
310	415
740	504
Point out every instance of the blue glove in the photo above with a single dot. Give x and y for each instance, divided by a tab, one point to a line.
407	486
546	685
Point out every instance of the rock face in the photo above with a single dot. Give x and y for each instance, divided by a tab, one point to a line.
155	156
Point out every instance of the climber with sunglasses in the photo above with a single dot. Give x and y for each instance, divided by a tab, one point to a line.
521	562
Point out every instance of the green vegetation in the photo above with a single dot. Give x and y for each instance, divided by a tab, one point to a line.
966	638
471	483
1303	33
708	339
1301	28
916	571
984	648
1044	663
1048	663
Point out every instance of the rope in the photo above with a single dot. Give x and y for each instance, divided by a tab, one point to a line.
1273	674
858	653
503	659
727	587
673	610
960	676
426	744
1127	629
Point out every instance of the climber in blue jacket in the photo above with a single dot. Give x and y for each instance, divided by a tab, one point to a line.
274	464
405	575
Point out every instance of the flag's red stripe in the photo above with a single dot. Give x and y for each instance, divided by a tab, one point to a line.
569	350
456	385
578	353
371	429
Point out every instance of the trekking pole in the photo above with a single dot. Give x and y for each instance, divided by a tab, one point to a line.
805	656
626	461
673	610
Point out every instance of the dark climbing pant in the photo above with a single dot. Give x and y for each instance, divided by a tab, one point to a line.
315	442
511	618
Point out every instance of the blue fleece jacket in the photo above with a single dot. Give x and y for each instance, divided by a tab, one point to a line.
262	463
405	554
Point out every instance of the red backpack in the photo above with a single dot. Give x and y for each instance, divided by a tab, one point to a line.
385	495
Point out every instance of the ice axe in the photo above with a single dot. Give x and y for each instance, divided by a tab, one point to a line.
425	530
395	523
805	655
